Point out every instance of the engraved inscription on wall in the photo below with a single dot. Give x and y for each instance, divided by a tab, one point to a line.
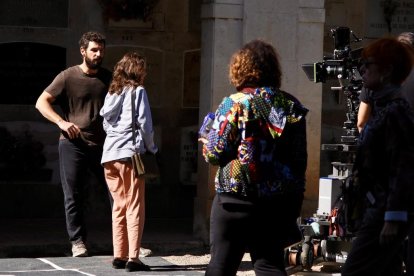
34	13
401	19
188	155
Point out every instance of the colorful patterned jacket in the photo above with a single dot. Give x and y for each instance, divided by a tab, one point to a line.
258	140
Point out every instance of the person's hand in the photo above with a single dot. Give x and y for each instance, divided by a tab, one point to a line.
389	232
71	129
203	140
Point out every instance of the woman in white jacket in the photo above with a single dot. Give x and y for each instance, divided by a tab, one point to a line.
127	190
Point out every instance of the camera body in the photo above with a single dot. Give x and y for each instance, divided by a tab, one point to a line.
343	66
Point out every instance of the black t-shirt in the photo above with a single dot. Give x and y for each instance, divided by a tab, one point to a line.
81	97
365	96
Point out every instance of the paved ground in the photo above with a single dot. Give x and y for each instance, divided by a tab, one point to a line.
98	265
40	247
101	265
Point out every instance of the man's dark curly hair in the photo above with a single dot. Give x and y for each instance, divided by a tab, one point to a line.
256	64
91	36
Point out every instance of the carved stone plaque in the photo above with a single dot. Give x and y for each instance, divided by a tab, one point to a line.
393	17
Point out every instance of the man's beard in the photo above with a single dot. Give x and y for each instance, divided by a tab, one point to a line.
93	64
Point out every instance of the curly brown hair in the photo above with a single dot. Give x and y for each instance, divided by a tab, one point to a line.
256	64
129	71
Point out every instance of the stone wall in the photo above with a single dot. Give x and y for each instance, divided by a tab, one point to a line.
170	40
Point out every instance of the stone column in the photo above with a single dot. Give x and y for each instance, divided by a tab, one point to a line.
221	35
310	34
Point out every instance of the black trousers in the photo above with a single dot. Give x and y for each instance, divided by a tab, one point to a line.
264	229
367	256
80	169
410	251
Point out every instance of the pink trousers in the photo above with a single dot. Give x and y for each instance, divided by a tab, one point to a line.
128	211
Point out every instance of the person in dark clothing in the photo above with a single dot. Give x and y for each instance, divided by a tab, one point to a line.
408	93
80	92
408	85
364	112
258	142
383	170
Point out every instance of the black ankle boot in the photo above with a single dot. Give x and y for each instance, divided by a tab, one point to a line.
133	266
119	264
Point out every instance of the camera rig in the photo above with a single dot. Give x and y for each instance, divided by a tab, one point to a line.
332	234
343	65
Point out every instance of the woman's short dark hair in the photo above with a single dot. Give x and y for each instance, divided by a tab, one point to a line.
256	64
389	52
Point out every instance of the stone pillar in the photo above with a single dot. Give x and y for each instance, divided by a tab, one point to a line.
221	35
310	34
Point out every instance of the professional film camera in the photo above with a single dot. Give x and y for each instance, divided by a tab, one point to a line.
343	65
327	228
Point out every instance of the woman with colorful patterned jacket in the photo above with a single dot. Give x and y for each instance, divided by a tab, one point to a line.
258	142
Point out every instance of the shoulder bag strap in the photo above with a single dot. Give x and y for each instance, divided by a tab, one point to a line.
133	116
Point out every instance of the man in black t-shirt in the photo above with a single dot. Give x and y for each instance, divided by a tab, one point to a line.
80	92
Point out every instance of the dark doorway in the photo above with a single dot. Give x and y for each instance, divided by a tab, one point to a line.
26	69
